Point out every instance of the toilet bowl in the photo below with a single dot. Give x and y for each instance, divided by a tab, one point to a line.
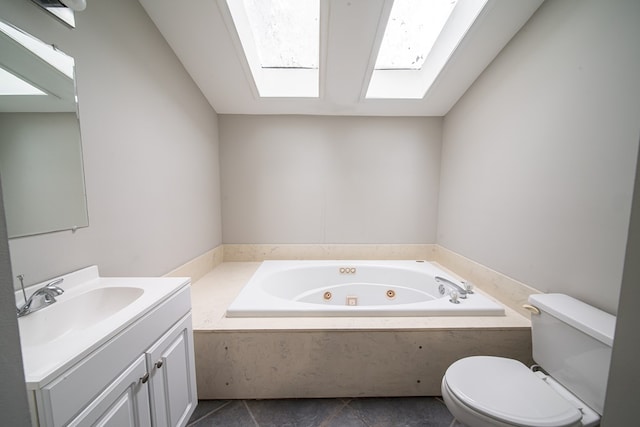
487	391
571	343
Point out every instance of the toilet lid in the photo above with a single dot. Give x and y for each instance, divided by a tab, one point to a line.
507	390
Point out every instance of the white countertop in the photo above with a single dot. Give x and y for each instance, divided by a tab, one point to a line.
44	361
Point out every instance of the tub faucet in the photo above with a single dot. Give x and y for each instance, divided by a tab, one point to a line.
41	298
446	283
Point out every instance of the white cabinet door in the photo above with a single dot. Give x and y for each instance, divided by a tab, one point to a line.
124	403
172	385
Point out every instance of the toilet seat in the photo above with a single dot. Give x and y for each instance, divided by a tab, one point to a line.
509	392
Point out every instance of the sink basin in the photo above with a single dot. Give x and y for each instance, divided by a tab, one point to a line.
76	313
91	312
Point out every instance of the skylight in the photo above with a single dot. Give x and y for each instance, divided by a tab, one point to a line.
411	31
419	38
281	42
285	31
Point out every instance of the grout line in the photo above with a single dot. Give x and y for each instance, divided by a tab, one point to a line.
209	413
345	403
441	400
360	417
244	402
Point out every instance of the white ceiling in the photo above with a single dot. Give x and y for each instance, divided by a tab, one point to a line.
202	35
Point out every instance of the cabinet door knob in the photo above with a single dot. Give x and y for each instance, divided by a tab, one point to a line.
144	378
159	364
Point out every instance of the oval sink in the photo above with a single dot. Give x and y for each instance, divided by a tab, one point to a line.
76	313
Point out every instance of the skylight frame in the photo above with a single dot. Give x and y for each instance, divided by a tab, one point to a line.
273	82
415	83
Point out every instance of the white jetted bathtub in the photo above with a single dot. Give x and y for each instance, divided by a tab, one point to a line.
357	288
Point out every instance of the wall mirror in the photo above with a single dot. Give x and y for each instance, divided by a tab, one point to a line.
62	10
40	147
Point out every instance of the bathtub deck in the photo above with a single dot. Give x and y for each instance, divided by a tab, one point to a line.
333	357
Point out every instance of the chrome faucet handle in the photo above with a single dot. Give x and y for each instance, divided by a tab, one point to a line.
454	297
442	281
468	286
41	298
53	286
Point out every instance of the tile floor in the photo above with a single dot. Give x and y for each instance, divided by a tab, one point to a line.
361	412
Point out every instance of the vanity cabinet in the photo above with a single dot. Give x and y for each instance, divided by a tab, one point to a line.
172	376
143	376
124	403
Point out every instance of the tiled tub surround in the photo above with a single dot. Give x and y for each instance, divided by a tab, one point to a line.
261	252
508	291
333	357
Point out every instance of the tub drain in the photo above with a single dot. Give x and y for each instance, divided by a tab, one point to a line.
391	293
327	295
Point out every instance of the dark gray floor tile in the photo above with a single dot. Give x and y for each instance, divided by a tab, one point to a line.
205	407
233	414
402	412
346	417
293	412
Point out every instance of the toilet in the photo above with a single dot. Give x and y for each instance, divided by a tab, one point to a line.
571	344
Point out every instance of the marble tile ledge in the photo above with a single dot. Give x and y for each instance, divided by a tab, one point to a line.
508	291
261	252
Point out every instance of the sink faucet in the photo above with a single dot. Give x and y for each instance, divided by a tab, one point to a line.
446	283
41	298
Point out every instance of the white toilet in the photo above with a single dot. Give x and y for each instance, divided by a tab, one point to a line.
572	345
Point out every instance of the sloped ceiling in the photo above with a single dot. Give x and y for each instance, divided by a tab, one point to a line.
202	35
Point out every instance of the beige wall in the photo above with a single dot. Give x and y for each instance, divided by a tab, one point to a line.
301	179
539	155
150	146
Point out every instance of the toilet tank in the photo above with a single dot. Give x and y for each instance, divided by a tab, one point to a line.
572	342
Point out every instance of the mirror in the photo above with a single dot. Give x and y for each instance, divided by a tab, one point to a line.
59	10
40	147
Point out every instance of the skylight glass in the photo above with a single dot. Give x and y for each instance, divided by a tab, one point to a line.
419	39
286	32
12	85
281	42
412	29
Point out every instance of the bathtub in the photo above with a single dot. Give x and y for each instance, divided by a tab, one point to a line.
354	288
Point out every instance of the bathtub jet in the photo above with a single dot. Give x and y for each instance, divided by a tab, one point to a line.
356	289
